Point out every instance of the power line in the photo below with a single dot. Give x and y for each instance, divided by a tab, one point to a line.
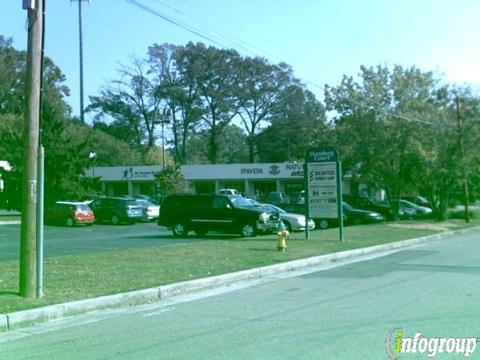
235	40
202	34
240	29
209	38
173	21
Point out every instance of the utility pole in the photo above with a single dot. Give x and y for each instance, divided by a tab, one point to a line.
80	40
30	138
462	159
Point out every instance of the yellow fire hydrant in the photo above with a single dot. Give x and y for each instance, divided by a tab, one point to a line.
282	234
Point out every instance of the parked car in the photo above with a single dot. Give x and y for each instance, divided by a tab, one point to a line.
150	210
234	192
225	213
320	223
276	198
69	214
301	197
418	200
365	203
355	216
293	222
351	216
419	210
117	210
406	213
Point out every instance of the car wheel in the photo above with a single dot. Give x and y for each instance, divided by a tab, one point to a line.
115	219
247	230
69	222
323	224
179	230
288	226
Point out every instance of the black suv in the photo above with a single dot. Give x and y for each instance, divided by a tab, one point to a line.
117	210
202	213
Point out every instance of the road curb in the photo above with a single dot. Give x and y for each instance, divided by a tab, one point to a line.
26	318
10	222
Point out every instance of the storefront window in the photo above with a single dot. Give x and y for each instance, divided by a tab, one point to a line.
205	187
292	189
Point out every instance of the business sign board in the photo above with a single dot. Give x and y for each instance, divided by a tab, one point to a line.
322	190
323	181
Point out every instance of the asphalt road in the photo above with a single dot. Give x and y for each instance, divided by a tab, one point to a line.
99	237
342	313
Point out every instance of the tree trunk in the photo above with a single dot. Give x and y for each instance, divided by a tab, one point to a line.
251	149
443	205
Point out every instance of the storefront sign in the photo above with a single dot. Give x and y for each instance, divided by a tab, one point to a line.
251	171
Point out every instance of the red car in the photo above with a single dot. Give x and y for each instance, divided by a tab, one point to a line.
69	214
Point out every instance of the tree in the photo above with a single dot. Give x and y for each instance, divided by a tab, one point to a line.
67	144
232	145
170	180
213	72
12	74
258	91
132	103
178	88
155	156
445	168
298	122
373	135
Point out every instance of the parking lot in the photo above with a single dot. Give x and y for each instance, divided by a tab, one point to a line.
82	239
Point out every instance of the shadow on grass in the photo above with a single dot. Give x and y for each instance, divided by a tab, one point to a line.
273	249
208	237
4	293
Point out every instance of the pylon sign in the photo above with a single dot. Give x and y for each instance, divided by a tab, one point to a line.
323	181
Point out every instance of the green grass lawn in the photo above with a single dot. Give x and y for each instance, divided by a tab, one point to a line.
76	277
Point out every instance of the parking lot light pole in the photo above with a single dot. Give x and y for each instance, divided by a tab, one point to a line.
164	121
92	156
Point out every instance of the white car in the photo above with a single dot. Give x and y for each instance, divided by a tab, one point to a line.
229	192
293	222
151	211
420	210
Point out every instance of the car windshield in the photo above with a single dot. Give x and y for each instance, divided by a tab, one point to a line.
83	207
144	202
347	206
407	203
131	203
274	208
253	202
240	202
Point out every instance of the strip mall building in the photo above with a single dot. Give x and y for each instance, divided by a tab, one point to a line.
250	179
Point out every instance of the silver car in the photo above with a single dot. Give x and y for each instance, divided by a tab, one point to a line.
293	222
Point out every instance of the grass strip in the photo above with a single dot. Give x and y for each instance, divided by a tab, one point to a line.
76	277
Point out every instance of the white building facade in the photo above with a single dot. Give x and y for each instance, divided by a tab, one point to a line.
253	180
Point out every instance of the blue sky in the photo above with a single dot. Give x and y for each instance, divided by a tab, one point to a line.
320	39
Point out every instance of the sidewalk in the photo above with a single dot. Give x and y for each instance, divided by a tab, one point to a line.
21	319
